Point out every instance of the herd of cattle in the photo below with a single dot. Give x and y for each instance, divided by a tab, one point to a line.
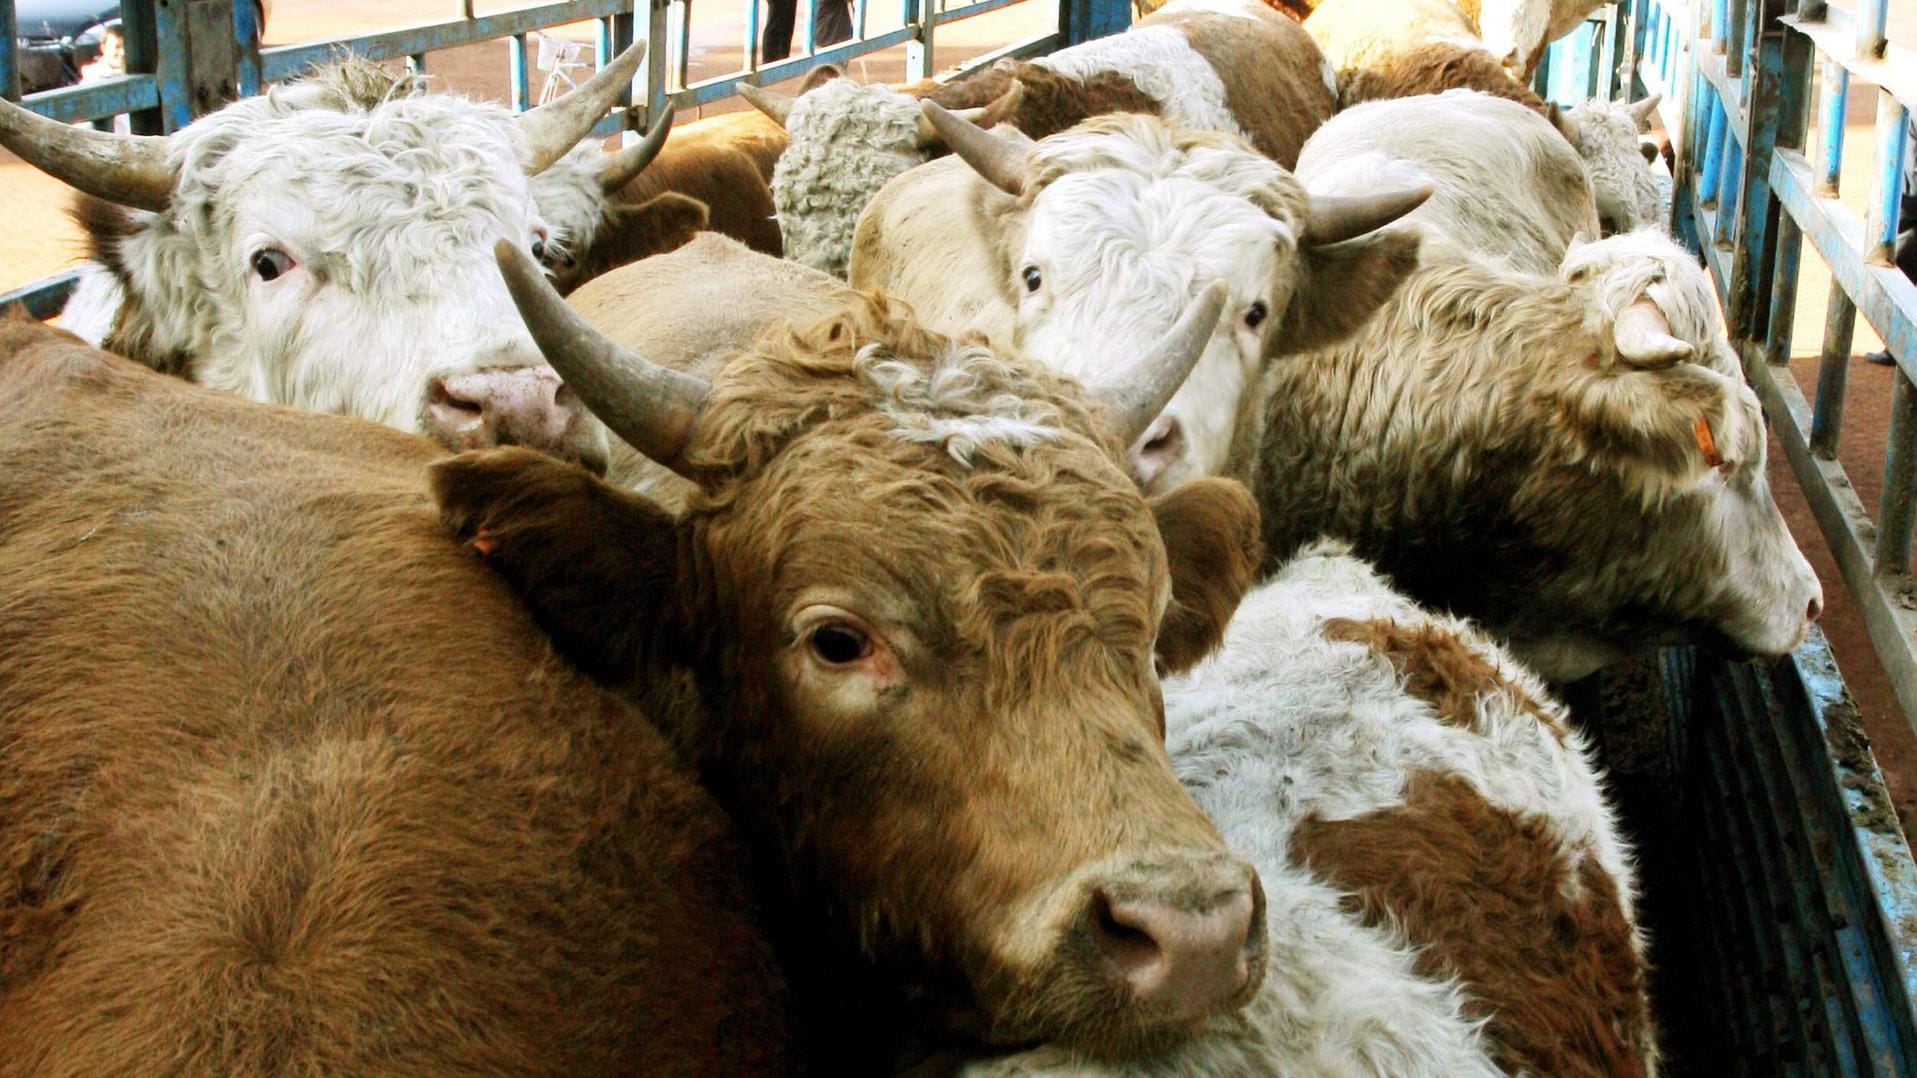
1088	607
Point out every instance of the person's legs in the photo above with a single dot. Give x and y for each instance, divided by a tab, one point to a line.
834	25
776	42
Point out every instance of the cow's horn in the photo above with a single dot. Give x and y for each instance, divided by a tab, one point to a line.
1136	395
1004	106
1641	110
622	167
771	102
128	169
1565	125
1335	218
1644	338
1000	161
653	408
556	127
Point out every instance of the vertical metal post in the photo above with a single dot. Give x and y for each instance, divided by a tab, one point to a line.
655	51
142	57
247	35
1870	28
1783	299
1833	372
1778	111
1880	216
1830	126
858	18
9	60
518	80
1084	20
1734	33
1714	140
213	71
1900	481
416	64
171	64
918	50
749	47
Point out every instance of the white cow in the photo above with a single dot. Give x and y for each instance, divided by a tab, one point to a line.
1447	891
328	245
1078	246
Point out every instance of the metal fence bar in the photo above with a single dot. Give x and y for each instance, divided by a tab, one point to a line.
1899	499
288	60
171	65
137	22
9	57
1833	373
518	78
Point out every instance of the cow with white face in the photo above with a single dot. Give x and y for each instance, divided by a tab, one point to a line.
328	246
1078	246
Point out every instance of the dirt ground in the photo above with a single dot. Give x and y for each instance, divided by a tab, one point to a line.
39	240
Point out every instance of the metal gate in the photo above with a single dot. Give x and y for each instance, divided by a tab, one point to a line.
185	58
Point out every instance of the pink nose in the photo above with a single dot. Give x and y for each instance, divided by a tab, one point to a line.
524	406
1179	964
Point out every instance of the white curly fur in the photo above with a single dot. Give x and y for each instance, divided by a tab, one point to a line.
1284	723
846	141
389	209
950	405
568	199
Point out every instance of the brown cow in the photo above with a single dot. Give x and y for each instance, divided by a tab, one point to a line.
922	605
291	784
604	211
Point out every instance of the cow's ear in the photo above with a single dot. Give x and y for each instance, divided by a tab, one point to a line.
1210	529
662	223
597	566
1341	285
1677	421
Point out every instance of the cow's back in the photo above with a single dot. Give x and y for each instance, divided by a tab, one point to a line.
291	783
1277	84
1506	185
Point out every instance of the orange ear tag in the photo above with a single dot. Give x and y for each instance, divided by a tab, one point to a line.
1706	444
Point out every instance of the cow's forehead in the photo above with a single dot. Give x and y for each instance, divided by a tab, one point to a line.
449	147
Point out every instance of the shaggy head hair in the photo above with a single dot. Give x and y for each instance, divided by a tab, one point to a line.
327	245
848	139
1125	219
1623	181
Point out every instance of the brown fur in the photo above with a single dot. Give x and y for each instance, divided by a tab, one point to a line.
724	162
1275	89
1494	899
1212	577
292	784
1432	67
1047	102
1016	595
1441	669
106	226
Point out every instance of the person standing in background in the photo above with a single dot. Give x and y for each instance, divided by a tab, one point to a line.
832	25
110	64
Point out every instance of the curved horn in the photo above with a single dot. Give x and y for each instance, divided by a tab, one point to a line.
1138	393
557	126
1000	162
622	167
1644	338
771	102
1002	107
653	408
128	169
1564	124
1335	218
1641	110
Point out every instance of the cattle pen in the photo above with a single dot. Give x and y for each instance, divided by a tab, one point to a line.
1782	893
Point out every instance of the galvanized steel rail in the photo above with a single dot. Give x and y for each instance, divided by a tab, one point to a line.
185	57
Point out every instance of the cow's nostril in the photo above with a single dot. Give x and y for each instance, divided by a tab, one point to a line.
1177	963
441	397
1816	608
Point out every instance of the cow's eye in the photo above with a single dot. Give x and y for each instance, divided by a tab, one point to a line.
1255	314
1032	278
270	262
837	643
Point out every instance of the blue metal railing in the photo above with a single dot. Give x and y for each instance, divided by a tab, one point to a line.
156	91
